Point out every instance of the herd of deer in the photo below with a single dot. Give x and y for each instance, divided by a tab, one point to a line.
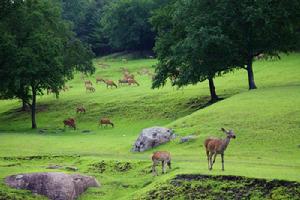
70	122
127	79
213	147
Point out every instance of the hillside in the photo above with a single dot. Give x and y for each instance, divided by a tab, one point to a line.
266	122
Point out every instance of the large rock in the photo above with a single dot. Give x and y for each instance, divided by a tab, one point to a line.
151	137
54	185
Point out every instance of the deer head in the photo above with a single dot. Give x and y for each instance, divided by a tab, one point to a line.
230	133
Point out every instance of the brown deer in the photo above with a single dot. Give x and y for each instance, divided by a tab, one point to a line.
80	109
70	122
110	83
132	81
89	88
161	156
105	121
99	79
215	146
88	82
122	81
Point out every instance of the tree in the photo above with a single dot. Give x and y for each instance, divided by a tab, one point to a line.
199	39
126	24
45	51
91	30
189	51
257	27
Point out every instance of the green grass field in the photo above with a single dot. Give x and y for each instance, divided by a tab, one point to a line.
266	122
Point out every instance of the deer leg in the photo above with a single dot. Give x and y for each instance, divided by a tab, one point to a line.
207	154
163	166
153	168
215	155
222	156
210	160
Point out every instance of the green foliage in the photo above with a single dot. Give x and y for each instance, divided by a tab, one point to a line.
91	30
201	39
126	24
44	49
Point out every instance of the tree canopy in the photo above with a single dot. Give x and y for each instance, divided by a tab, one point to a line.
201	39
38	51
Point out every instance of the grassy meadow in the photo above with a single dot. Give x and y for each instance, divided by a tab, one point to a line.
266	122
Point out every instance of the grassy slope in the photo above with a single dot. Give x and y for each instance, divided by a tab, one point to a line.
265	121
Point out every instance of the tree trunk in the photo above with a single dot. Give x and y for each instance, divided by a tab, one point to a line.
250	75
213	95
33	108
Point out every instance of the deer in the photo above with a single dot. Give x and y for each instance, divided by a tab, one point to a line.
88	83
110	83
80	109
122	81
132	81
99	79
105	121
161	156
70	122
89	88
215	146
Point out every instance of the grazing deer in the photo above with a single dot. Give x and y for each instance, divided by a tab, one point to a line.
215	146
110	83
70	122
88	83
132	81
105	121
122	81
99	79
89	89
80	109
161	156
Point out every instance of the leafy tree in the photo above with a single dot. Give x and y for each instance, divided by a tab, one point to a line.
126	24
45	51
201	36
91	30
255	27
189	51
75	11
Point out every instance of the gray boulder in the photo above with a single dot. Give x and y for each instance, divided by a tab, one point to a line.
152	137
54	185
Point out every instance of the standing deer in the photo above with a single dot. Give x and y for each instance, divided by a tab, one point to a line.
215	146
80	109
88	83
110	83
89	88
161	156
99	79
132	81
122	81
105	121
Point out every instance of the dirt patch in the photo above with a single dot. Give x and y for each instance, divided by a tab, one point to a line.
224	187
111	166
